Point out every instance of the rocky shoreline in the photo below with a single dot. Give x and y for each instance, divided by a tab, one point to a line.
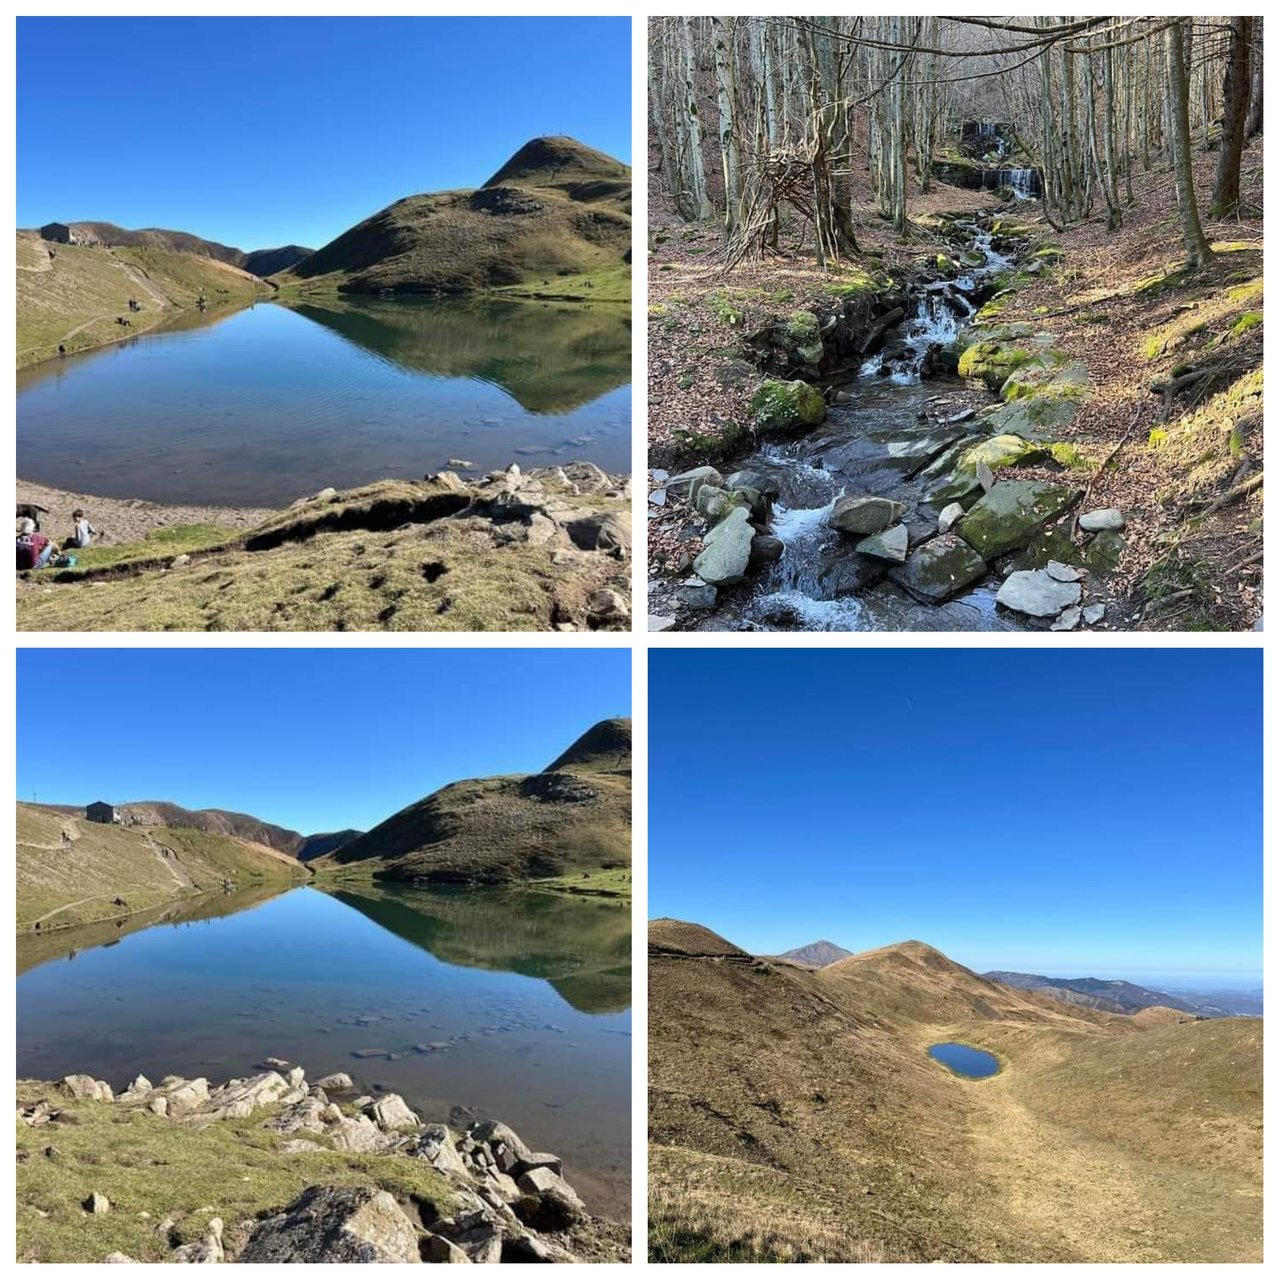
405	1191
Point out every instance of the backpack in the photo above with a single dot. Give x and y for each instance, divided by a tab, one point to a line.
30	546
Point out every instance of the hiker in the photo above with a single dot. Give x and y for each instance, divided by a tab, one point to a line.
84	533
34	549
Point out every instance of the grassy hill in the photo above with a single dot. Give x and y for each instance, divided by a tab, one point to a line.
795	1115
72	294
71	871
572	818
554	221
399	555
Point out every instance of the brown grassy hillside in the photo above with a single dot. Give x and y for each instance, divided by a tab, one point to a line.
796	1115
573	816
71	871
556	210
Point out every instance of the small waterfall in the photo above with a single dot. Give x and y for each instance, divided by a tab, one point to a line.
1024	183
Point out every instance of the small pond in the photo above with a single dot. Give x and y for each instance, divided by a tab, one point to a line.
965	1060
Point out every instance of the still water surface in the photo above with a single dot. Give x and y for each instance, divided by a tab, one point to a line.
506	1005
965	1060
260	406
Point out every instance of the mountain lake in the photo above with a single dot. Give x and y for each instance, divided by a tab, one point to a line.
965	1060
273	402
471	1004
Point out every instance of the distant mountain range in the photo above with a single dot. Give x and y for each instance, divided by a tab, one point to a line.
1114	995
258	262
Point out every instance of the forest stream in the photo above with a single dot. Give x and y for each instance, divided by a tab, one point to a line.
892	432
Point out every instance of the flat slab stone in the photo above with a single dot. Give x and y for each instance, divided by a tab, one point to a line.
940	569
890	545
1012	514
726	550
1035	593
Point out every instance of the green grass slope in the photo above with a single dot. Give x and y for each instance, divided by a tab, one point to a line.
70	295
70	871
557	211
575	816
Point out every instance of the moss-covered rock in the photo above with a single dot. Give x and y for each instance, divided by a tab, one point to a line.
992	362
997	452
1036	418
1012	514
786	406
939	569
1051	375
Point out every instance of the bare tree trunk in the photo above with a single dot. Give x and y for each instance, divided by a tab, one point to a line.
1235	112
1253	126
699	207
1198	252
726	95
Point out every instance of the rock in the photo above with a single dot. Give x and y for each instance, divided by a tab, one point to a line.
370	1053
1094	613
1067	620
296	1077
336	1224
97	1203
207	1250
357	1133
435	1145
307	1115
693	593
659	622
439	1249
338	1082
1063	572
275	1064
1011	514
726	550
481	1244
87	1087
391	1112
658	476
940	569
119	1257
606	605
298	1146
325	495
1034	592
658	498
188	1096
890	545
240	1098
948	516
863	516
687	483
158	1106
714	503
784	406
1103	551
986	477
766	549
178	561
1110	518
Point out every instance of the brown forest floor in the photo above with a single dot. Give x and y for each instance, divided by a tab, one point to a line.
1185	566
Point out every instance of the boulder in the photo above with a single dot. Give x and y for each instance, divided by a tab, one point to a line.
766	549
1109	518
240	1098
1035	593
435	1145
87	1087
693	593
714	503
305	1116
338	1082
863	515
357	1133
441	1249
391	1112
336	1224
940	569
1011	514
97	1203
890	545
189	1096
785	406
206	1250
726	550
687	483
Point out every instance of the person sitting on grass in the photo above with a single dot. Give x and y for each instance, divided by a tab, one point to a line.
84	533
34	549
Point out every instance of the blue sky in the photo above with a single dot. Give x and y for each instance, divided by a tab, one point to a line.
258	132
1076	814
312	739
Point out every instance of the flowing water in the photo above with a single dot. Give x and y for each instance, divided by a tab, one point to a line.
965	1060
891	422
477	1004
267	404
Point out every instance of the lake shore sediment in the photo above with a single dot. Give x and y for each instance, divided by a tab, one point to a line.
273	1168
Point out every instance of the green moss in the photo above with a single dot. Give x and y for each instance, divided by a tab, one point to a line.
783	406
1250	320
992	362
1244	294
1067	455
801	328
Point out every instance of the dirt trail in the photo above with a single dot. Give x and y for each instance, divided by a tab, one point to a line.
170	861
